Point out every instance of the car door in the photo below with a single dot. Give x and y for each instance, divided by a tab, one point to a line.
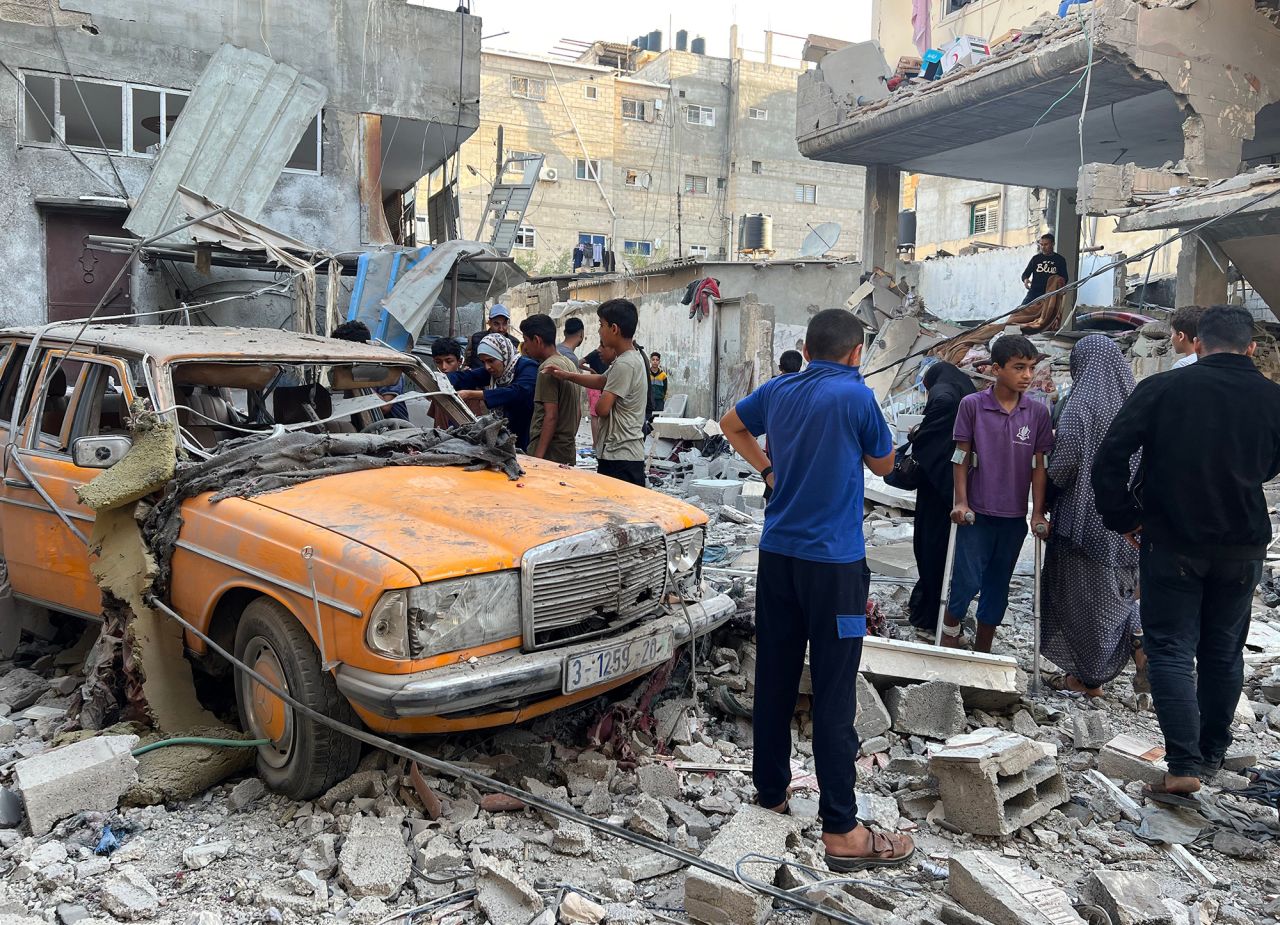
48	562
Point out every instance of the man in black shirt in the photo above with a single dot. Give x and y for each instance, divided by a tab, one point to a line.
1197	511
1040	267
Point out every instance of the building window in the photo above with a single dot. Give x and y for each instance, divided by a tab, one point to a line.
698	250
633	110
954	6
636	179
529	88
757	167
984	217
637	248
586	170
721	183
806	192
120	118
591	91
700	115
694	184
754	113
526	238
515	163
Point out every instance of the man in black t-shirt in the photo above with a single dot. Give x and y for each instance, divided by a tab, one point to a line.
1040	267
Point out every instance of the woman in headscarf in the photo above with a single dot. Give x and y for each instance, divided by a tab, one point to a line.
932	446
1089	614
504	383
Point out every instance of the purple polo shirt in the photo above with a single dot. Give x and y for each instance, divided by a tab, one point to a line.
1004	444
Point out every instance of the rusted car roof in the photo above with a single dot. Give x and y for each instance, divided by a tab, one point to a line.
167	343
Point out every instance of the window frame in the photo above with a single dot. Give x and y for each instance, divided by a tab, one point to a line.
126	89
30	439
531	232
591	171
806	194
757	168
637	248
690	184
990	211
706	115
528	88
590	92
702	251
758	113
638	106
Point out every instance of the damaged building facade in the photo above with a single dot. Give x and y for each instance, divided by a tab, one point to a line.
1063	107
400	86
655	154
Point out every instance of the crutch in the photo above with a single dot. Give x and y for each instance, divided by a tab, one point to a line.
1041	532
946	576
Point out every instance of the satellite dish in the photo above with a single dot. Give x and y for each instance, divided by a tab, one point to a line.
821	239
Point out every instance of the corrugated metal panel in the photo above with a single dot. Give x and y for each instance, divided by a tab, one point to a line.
237	131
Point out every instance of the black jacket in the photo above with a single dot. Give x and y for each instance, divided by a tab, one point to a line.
933	444
1210	437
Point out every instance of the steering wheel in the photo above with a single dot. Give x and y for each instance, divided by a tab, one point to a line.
388	424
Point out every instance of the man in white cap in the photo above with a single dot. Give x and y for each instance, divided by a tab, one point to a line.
499	323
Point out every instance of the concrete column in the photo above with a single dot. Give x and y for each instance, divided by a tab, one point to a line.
883	191
1200	280
1209	150
1066	238
768	48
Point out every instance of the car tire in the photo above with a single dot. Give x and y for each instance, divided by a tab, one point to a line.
304	758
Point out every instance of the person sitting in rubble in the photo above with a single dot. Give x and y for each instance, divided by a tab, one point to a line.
505	383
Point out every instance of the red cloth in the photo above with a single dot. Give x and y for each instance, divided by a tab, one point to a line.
706	290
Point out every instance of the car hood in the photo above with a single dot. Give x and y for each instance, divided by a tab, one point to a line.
443	521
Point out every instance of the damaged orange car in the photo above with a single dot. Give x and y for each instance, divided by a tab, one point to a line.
447	599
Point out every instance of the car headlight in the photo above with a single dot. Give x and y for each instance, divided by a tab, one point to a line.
684	559
387	633
462	613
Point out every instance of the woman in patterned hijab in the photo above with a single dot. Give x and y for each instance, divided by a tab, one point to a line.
1089	614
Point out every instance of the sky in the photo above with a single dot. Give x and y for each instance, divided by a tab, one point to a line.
537	27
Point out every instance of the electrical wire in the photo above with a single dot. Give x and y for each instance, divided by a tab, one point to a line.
199	740
484	782
1142	255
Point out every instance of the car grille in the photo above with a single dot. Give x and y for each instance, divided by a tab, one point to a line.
574	597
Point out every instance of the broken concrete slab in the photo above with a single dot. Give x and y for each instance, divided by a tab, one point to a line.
374	860
1126	757
21	687
646	865
197	857
934	709
504	895
1130	898
713	900
986	682
648	817
130	895
1005	893
1091	730
897	560
88	775
717	491
679	429
658	780
871	719
994	782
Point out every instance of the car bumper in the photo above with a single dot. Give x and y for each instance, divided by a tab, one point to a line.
498	679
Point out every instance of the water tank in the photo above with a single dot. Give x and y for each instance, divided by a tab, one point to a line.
682	40
756	233
907	228
641	43
655	40
698	46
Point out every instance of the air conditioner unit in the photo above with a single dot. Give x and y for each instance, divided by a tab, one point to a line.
549	174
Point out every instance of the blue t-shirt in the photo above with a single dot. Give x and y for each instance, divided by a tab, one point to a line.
820	424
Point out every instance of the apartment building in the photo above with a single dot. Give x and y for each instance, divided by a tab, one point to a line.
653	154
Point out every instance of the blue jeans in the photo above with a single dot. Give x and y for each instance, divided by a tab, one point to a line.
986	552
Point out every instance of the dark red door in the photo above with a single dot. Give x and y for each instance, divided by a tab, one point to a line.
78	276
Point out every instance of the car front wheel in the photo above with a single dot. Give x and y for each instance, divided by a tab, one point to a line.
302	758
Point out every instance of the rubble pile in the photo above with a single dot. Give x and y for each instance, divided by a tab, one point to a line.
1025	806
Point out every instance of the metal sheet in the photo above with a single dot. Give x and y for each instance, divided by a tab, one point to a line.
411	300
237	131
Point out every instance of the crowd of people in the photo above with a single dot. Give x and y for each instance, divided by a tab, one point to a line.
1155	535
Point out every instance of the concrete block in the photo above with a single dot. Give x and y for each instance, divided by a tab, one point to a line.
1128	758
713	900
658	780
1130	898
504	895
717	491
872	719
986	682
1091	730
21	687
674	428
994	782
649	817
897	560
374	860
646	865
1005	893
89	775
934	709
130	895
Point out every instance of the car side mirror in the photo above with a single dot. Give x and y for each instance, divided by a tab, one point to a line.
99	452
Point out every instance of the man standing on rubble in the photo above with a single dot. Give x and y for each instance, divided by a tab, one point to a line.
823	425
1197	512
1042	267
556	403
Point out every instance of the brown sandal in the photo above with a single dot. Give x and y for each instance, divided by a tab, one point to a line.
887	850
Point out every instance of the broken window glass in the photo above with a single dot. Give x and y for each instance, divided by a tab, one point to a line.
92	113
38	109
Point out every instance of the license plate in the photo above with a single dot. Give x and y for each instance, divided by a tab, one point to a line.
616	661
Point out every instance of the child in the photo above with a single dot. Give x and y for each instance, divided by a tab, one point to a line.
1182	335
1003	440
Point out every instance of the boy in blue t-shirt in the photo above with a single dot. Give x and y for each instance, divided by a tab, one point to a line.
811	584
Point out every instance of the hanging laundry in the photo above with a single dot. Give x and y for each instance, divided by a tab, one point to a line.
597	254
579	254
704	291
921	32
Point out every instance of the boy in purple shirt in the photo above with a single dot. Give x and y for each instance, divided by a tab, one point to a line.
1003	440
